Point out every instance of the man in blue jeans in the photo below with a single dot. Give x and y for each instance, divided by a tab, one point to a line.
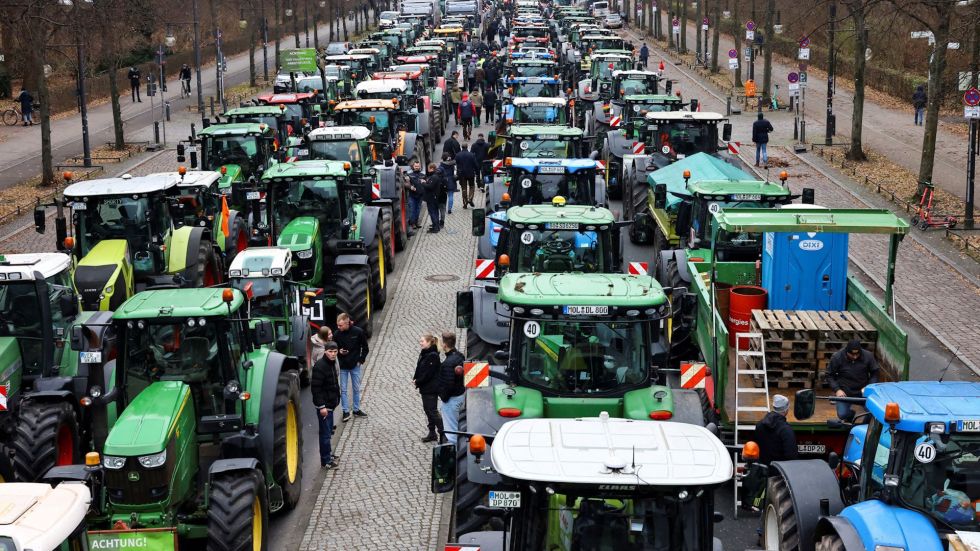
416	188
760	135
353	350
451	387
851	369
326	395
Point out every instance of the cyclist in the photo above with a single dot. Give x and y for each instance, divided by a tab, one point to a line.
185	79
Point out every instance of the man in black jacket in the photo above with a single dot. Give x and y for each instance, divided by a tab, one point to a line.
466	171
479	151
774	435
434	182
452	144
426	379
851	369
760	135
451	387
326	396
353	351
415	181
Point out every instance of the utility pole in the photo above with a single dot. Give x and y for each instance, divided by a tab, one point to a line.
831	66
971	166
265	44
197	58
306	20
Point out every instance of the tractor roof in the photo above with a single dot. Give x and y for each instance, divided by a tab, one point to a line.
325	133
531	80
611	55
124	185
922	402
579	451
194	178
660	98
534	61
706	168
236	129
574	214
364	51
685	116
632	73
431	42
382	86
739	187
256	262
177	303
361	104
524	102
539	130
789	219
48	264
536	165
308	169
348	57
618	290
37	516
254	110
285	98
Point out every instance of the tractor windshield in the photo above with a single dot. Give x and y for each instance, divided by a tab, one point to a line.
539	114
139	221
379	126
685	138
638	109
941	476
640	85
268	299
314	198
557	251
336	150
233	150
534	148
603	68
20	317
535	90
537	189
272	121
582	355
176	350
536	70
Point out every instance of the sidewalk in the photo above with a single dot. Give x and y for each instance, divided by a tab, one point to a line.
887	130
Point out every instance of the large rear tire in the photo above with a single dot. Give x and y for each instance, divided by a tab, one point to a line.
477	349
287	467
46	436
635	203
468	494
354	296
780	529
401	224
377	258
208	270
830	542
387	230
238	512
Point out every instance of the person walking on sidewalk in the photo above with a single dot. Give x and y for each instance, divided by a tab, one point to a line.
919	100
134	83
466	170
479	151
353	352
433	186
326	394
466	111
451	146
477	98
448	170
760	136
451	387
26	107
490	104
455	96
426	380
644	55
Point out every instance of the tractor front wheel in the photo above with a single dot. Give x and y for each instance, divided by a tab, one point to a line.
830	542
377	258
238	512
207	271
287	466
46	436
780	529
388	232
354	296
468	494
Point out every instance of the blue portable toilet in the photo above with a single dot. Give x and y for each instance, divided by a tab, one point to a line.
805	270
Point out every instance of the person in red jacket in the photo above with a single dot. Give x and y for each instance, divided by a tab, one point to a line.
466	110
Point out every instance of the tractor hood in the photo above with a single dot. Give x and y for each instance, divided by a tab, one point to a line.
299	233
10	365
145	426
101	268
233	173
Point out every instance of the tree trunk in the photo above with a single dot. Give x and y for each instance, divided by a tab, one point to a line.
857	10
737	36
333	19
975	53
251	56
937	67
683	9
278	33
316	26
670	23
343	17
296	23
767	50
47	163
715	31
697	26
119	139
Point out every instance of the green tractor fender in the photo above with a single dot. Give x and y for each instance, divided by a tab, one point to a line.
230	175
367	223
244	464
263	378
189	246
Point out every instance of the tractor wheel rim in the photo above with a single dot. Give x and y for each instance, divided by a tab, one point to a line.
771	542
381	261
292	442
257	524
66	446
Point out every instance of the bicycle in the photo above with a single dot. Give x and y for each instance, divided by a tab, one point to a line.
12	116
185	88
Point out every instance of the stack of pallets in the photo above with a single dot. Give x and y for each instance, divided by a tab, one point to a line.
836	329
790	342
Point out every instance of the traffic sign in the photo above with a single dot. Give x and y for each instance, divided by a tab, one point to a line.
704	21
805	42
733	53
971	111
676	22
804	53
750	25
733	64
749	35
803	79
972	97
793	78
794	86
747	53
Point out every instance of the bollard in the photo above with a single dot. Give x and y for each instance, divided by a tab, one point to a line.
802	131
796	128
212	106
193	132
728	106
166	110
156	131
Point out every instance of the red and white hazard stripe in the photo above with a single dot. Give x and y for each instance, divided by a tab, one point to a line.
484	268
615	121
455	547
693	375
733	147
498	166
600	165
638	268
476	374
4	391
375	190
639	148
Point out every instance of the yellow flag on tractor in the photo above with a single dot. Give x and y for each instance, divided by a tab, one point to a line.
225	213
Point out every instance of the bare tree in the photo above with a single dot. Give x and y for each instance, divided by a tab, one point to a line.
716	31
858	10
766	91
113	20
738	45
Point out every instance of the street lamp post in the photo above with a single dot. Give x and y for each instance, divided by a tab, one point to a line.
306	20
80	82
197	59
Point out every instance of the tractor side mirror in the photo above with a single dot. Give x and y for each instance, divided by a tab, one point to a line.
668	87
77	341
808	196
443	473
464	309
726	132
660	196
180	153
40	219
501	356
420	105
630	130
479	222
263	333
694	105
804	404
68	304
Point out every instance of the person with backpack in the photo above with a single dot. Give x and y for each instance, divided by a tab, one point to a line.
919	101
477	98
466	110
466	169
26	107
644	55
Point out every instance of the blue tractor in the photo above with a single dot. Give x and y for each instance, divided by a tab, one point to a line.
909	478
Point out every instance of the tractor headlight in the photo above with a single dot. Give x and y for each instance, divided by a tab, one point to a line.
154	461
109	290
305	254
113	463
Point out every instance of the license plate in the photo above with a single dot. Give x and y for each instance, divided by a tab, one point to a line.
505	500
90	357
746	197
811	448
551	170
543	137
561	226
968	425
252	195
586	310
79	206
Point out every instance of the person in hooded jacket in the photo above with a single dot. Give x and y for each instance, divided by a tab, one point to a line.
451	386
426	380
449	187
919	101
325	389
479	151
775	437
433	186
318	342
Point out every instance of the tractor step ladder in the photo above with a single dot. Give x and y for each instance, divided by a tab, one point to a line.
743	367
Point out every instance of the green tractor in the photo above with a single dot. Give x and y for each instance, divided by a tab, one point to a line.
46	417
339	244
126	239
206	438
273	116
632	112
238	151
579	345
262	274
200	204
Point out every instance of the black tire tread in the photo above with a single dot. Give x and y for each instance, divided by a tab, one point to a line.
386	231
379	293
352	296
830	542
35	440
777	495
468	494
478	349
287	390
230	511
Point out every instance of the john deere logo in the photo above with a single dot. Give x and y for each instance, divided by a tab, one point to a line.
134	476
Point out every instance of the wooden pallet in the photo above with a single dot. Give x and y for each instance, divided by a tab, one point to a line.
783	325
841	326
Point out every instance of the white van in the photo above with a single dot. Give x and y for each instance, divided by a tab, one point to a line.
600	9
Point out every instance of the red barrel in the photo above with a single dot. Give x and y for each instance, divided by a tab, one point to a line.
723	298
744	299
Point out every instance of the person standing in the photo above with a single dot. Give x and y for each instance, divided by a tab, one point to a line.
415	180
185	79
455	96
851	369
466	111
644	55
353	352
426	380
448	170
451	146
318	342
477	98
919	100
26	107
490	104
479	151
326	394
433	185
760	136
466	169
775	437
134	83
471	74
451	387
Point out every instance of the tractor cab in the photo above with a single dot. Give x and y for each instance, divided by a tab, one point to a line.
532	68
591	482
545	142
536	87
530	34
360	65
270	115
393	129
637	106
239	151
530	52
601	69
385	52
626	83
387	89
296	107
678	134
377	61
538	111
529	181
200	203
